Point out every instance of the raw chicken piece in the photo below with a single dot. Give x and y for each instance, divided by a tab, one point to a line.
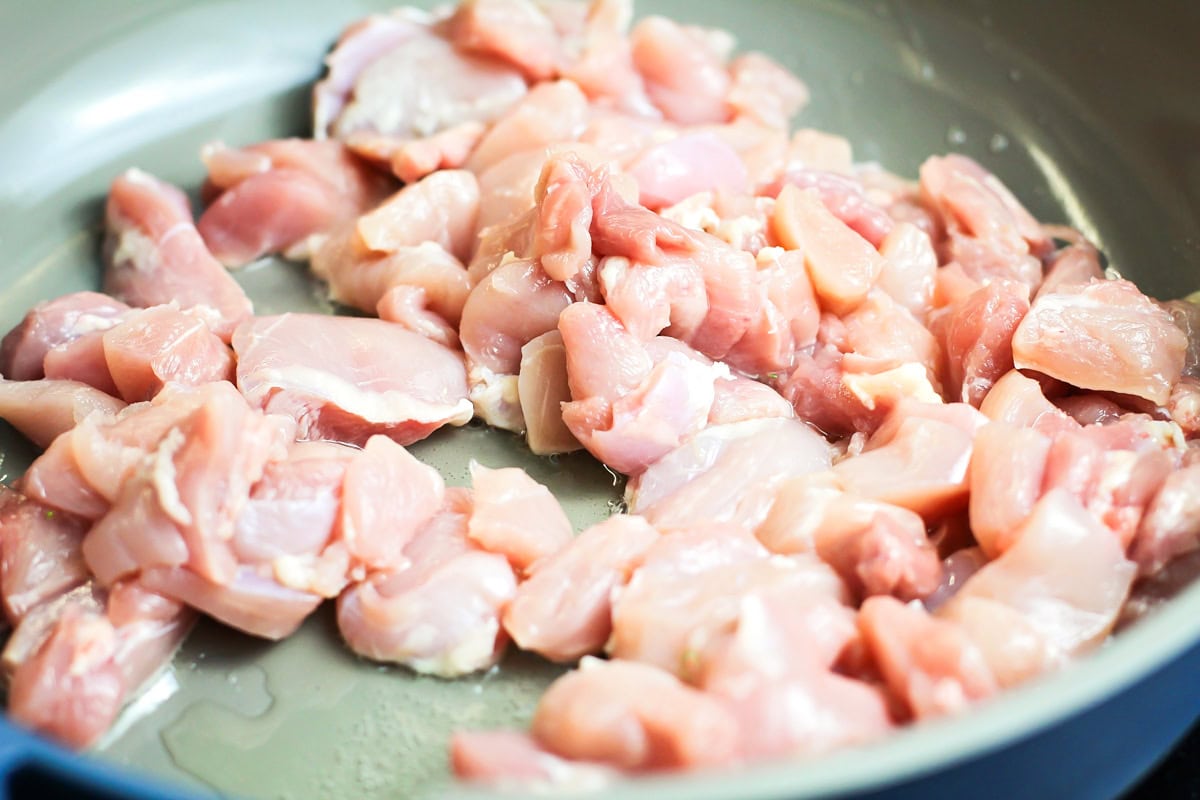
149	629
917	459
930	663
155	255
842	265
180	503
441	207
798	512
344	379
909	268
821	150
51	324
951	284
292	515
285	569
835	401
387	498
367	280
202	473
55	479
876	548
633	402
603	67
684	69
511	760
71	687
1125	481
40	556
649	299
976	334
694	162
726	473
85	468
899	197
91	658
563	609
542	388
439	615
665	274
987	260
671	571
156	540
1076	265
1104	335
653	243
623	136
960	415
511	187
738	399
248	601
36	626
507	240
626	409
513	305
505	208
287	534
406	307
765	91
1012	646
1171	524
516	517
307	190
160	344
43	409
1018	400
1065	574
378	81
551	114
844	198
774	675
516	31
565	196
82	360
990	234
684	601
763	150
358	46
978	201
413	159
1008	468
228	166
634	717
1113	468
881	335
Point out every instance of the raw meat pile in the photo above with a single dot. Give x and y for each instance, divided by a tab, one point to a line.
891	447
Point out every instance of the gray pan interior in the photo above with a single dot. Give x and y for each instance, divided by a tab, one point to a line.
1090	112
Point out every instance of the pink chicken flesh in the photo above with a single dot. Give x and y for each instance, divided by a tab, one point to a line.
344	379
440	614
155	255
277	196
